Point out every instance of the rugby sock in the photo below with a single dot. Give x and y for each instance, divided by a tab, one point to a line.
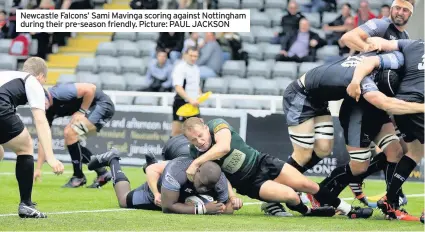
117	174
301	208
379	162
341	175
75	152
325	197
24	172
402	171
296	165
86	153
389	171
313	161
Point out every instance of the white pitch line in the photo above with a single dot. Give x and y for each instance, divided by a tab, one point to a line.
120	209
44	173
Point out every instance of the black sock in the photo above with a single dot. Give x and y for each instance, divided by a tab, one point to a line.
24	172
86	155
117	174
402	171
389	172
378	162
313	161
296	165
75	152
301	208
341	175
325	197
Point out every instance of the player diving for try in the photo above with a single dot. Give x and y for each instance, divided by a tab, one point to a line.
90	109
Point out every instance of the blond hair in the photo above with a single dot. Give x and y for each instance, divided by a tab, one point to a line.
35	66
190	123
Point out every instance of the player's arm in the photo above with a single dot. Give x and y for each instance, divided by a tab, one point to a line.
153	173
86	91
393	105
234	202
178	80
356	38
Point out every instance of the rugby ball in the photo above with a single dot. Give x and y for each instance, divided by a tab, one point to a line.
199	199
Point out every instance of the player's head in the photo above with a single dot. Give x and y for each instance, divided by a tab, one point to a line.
36	67
401	10
197	133
206	177
388	82
192	55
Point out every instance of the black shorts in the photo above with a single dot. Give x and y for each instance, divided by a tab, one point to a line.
299	107
141	198
178	102
269	168
100	114
411	126
361	122
10	124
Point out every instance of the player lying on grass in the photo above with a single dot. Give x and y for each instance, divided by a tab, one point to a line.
167	186
252	173
90	109
410	60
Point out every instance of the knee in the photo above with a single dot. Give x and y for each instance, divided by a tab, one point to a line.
122	202
358	168
68	132
394	151
323	147
311	186
292	198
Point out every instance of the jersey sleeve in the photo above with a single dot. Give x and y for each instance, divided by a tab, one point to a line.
393	60
35	93
368	85
65	92
177	75
218	124
174	177
222	189
404	43
375	27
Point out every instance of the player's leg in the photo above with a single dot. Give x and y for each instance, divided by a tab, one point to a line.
176	126
302	139
323	138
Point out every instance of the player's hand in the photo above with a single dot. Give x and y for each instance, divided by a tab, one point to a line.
77	116
313	43
215	208
354	90
190	172
194	102
56	165
37	175
236	203
157	200
375	43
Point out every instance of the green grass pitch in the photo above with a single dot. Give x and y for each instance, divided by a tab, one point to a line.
97	209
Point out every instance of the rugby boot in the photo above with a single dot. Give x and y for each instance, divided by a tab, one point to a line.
29	211
422	217
102	160
357	190
275	209
101	180
358	212
325	211
75	182
150	159
402	215
386	208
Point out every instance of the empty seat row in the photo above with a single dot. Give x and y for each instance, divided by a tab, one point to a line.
126	48
252	4
136	36
123	64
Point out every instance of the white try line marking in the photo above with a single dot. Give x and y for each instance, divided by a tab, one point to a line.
44	173
120	209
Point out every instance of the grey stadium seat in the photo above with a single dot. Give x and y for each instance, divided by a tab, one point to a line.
90	78
146	47
111	81
320	32
131	64
376	4
247	37
135	82
329	17
303	2
127	48
258	68
87	64
327	51
306	66
253	51
146	101
354	3
241	86
263	34
108	64
251	105
67	78
278	4
313	18
285	69
266	87
271	50
147	36
230	4
124	100
252	4
130	36
216	85
8	62
260	19
234	67
283	83
5	45
230	77
107	49
277	19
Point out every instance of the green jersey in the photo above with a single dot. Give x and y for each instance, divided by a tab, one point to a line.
240	162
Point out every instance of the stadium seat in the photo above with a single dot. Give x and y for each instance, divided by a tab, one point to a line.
270	63
216	85
329	17
135	82
124	100
266	87
107	49
354	3
327	51
247	37
285	69
313	18
147	36
131	64
263	34
8	62
146	47
320	32
254	51
258	68
275	4
229	4
283	83
227	103
249	105
303	2
108	64
259	18
241	86
127	48
87	64
129	36
234	67
67	78
306	66
146	101
271	50
276	18
252	4
111	81
230	77
376	4
89	78
5	45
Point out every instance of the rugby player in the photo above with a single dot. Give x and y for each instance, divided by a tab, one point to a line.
167	186
255	174
390	29
90	109
17	89
410	60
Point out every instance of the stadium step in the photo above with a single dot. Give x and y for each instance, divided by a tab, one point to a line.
95	35
112	6
62	61
83	45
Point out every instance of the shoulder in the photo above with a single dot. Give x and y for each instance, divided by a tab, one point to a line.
217	124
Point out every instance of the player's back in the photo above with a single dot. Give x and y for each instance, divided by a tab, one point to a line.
12	88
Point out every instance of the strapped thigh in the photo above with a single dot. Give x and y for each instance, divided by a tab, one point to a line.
361	155
324	130
305	140
386	140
